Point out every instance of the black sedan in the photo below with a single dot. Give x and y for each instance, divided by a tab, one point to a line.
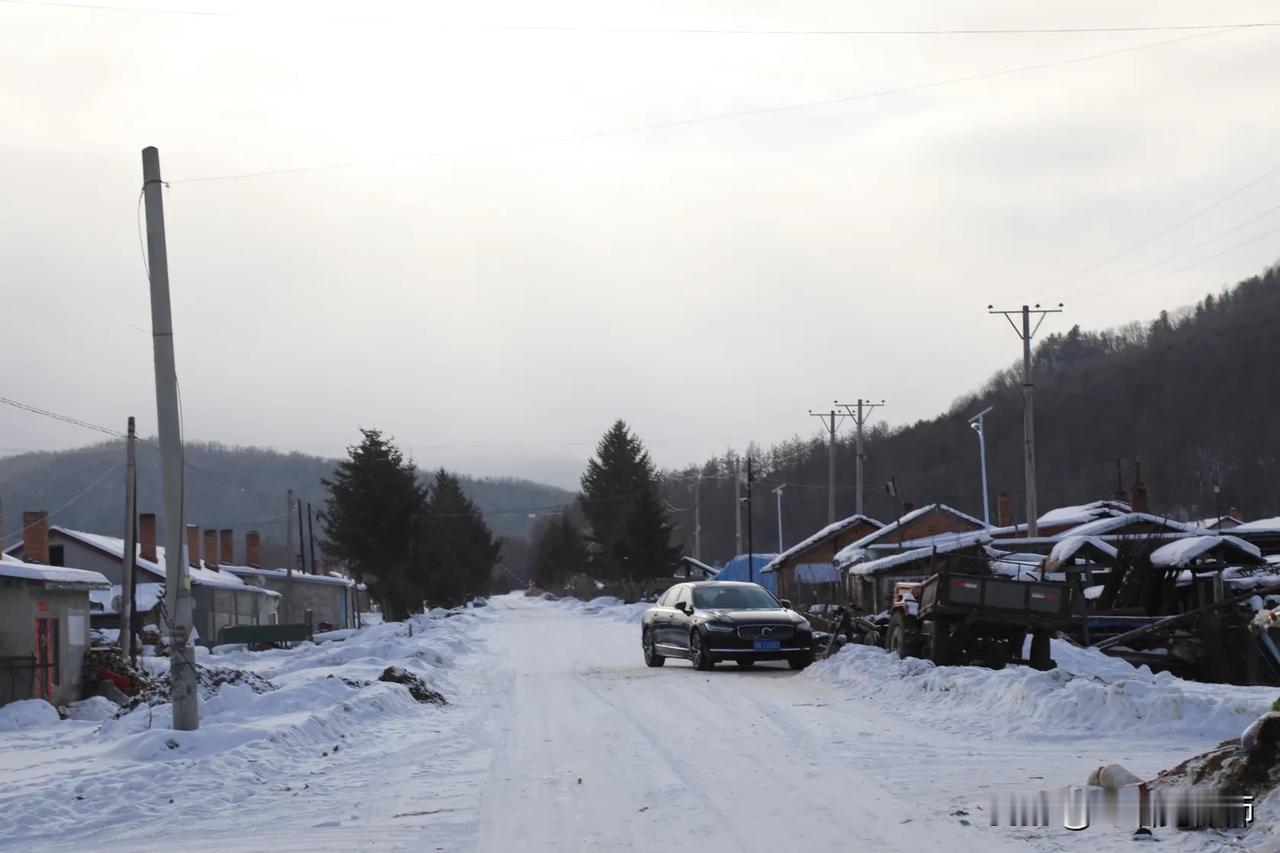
711	621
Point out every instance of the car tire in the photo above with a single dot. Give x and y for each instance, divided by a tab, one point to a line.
651	656
800	661
698	654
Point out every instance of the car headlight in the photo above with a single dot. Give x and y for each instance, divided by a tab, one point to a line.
804	625
718	628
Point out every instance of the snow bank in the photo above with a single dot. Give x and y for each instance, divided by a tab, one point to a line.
26	714
608	607
1088	694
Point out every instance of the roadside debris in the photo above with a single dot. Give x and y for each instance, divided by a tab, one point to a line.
418	688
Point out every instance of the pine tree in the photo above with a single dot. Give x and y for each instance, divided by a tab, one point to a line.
375	521
463	550
630	530
558	552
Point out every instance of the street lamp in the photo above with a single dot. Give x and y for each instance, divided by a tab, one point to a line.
976	422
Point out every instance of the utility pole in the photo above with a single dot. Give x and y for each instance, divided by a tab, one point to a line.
751	564
311	535
697	518
978	424
778	492
864	410
129	565
1027	333
302	532
182	659
288	558
737	505
829	423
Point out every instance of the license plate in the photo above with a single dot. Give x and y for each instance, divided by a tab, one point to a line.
767	645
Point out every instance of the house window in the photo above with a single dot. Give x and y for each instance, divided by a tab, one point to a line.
57	556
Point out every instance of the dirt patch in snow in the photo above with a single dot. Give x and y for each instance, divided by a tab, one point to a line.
154	689
418	688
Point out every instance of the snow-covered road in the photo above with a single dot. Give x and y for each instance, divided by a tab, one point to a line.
557	737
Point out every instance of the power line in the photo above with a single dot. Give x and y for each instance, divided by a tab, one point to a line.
696	120
649	30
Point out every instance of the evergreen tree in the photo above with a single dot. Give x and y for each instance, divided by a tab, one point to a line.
463	550
375	521
630	530
558	552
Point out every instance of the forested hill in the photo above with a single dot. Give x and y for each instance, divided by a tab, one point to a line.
1193	393
241	488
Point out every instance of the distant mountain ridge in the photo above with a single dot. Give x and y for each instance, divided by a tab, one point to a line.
243	488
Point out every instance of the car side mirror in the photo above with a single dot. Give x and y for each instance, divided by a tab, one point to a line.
786	603
682	607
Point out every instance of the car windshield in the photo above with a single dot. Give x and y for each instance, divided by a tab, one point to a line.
733	598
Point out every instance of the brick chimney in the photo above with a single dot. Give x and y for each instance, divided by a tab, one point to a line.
193	546
147	536
1139	490
226	547
253	549
211	548
1004	510
35	537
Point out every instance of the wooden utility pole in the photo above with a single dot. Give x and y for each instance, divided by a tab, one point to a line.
182	659
697	518
751	564
129	566
288	558
1026	333
860	417
302	533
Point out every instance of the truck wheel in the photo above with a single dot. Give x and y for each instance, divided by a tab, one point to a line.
904	635
939	642
1040	658
651	656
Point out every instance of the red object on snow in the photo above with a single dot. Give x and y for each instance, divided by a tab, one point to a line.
120	681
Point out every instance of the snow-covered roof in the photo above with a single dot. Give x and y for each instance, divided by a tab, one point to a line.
146	597
298	577
200	576
1083	513
1223	522
1261	525
1181	552
833	529
1067	549
857	551
1024	566
1116	522
871	567
11	568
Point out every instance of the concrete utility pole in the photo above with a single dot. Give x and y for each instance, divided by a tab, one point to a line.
311	537
1027	333
978	424
864	410
302	533
778	492
288	558
829	423
697	518
737	505
182	659
751	564
130	562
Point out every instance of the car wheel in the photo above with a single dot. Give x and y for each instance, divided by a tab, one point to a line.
698	655
800	661
745	664
651	656
904	635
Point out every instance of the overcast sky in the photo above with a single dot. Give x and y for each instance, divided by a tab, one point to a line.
493	285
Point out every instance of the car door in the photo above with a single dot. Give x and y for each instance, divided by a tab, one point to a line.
681	619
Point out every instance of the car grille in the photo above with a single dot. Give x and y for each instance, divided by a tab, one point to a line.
773	632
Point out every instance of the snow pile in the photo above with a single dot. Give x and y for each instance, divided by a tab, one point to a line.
263	717
26	714
608	607
1088	693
